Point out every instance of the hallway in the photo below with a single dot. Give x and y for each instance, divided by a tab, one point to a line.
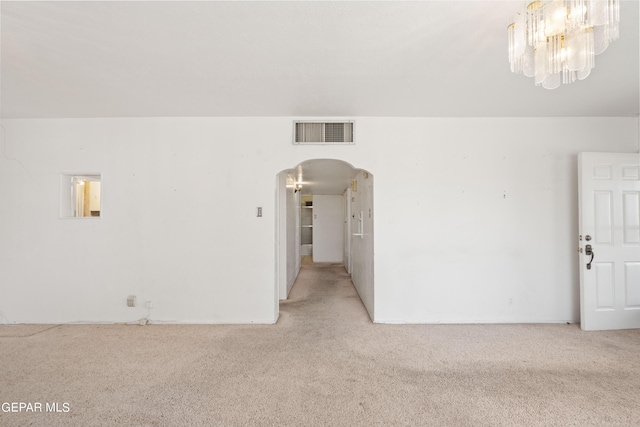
323	363
323	292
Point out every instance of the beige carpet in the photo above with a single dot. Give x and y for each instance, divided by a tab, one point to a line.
324	363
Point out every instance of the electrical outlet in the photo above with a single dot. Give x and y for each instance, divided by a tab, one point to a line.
148	304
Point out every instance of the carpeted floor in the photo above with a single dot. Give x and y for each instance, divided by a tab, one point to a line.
324	363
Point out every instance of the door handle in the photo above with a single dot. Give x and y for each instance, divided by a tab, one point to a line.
588	250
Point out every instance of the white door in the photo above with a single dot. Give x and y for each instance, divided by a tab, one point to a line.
609	228
328	226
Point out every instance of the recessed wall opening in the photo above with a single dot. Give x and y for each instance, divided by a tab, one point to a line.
80	195
325	214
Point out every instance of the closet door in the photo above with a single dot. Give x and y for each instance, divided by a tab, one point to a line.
328	228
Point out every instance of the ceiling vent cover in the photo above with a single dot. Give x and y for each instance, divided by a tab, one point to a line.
323	133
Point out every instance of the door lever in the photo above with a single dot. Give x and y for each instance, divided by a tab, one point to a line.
588	250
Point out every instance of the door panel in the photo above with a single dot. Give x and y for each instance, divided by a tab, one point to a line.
604	285
631	217
632	284
328	228
609	193
603	217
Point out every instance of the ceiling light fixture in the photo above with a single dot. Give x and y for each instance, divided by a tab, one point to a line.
556	41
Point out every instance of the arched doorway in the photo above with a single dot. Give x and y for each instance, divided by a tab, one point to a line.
325	211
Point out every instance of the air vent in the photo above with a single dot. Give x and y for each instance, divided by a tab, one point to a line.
323	133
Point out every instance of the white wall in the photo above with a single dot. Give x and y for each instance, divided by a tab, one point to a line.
288	240
362	247
328	228
292	219
346	256
469	215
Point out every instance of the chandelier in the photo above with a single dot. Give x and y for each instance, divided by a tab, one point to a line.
556	41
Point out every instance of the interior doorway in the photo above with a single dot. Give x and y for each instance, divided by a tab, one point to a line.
325	211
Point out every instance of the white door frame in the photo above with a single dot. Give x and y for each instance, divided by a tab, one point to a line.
609	245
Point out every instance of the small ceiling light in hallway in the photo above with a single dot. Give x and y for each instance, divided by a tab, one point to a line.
556	41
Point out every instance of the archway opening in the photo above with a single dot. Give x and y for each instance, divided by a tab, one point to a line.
325	214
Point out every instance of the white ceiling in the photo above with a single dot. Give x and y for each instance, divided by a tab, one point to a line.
289	58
